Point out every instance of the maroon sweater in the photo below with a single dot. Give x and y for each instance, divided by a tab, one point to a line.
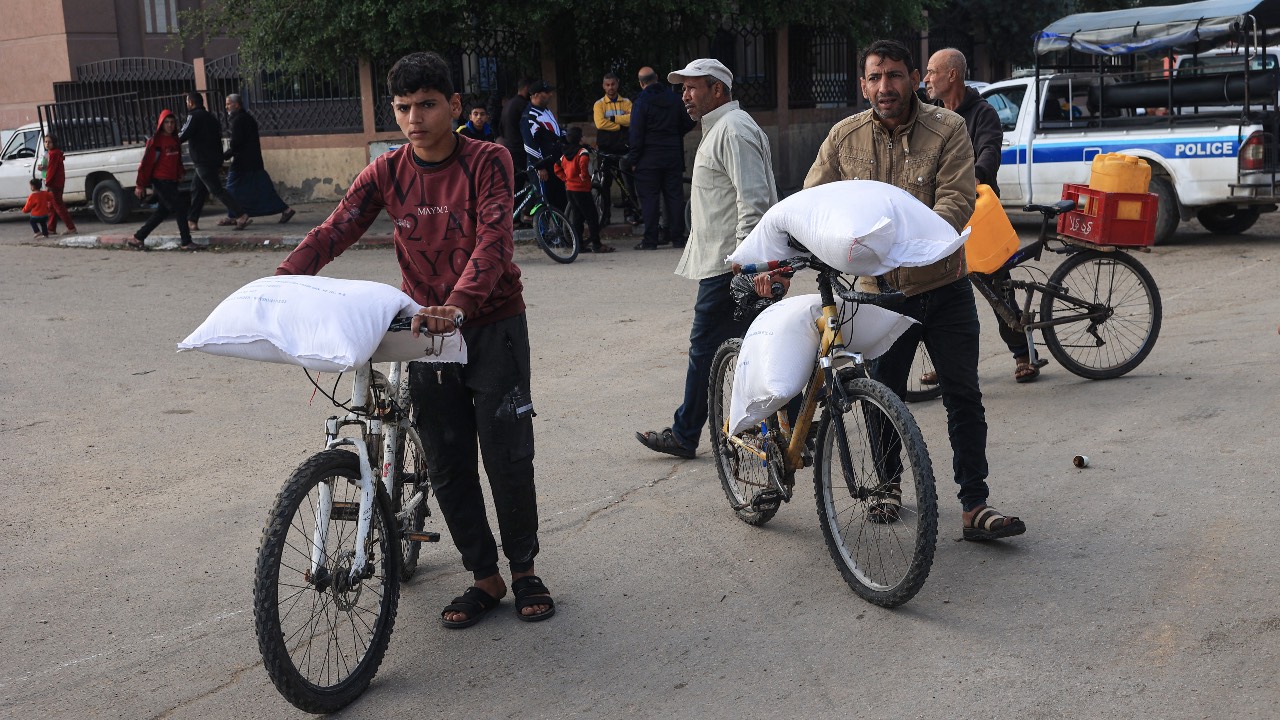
452	228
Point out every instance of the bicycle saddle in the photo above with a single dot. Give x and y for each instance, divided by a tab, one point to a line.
1053	210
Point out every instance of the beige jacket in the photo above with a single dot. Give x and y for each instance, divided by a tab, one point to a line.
733	186
929	156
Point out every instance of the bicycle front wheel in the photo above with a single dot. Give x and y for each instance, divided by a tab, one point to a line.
921	365
750	464
555	235
1118	309
879	514
321	632
411	478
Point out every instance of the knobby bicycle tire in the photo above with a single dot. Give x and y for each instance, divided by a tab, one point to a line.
1119	342
555	235
285	589
742	473
921	364
411	477
880	520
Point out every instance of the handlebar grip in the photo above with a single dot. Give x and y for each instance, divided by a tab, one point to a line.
883	300
402	324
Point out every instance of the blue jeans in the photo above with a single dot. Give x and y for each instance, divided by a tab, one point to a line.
949	324
713	323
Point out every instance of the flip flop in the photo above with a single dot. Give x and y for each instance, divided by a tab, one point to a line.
136	244
475	602
529	591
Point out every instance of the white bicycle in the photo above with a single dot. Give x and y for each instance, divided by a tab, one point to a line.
345	530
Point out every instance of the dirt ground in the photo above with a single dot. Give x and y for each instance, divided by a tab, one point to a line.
139	479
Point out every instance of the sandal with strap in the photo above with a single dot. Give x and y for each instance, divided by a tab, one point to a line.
989	524
1025	372
929	378
664	441
136	244
886	508
529	591
475	602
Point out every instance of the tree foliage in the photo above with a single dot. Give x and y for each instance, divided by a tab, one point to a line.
292	35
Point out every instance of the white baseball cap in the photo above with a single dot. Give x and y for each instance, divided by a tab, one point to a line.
703	67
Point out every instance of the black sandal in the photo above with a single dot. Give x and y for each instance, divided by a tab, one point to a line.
475	602
989	524
136	244
530	591
664	441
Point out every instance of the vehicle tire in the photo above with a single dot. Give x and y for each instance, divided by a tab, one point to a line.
322	637
742	473
1127	301
110	202
555	235
1227	219
411	477
921	364
884	551
1167	217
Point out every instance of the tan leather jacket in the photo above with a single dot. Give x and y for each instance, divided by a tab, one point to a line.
929	156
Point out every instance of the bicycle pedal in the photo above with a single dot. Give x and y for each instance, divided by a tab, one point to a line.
423	536
345	511
766	500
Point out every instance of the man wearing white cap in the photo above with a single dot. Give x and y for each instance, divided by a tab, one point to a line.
733	185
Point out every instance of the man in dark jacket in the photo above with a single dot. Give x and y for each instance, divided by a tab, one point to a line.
247	179
944	82
203	134
658	125
509	133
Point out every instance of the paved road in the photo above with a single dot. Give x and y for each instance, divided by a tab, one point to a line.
138	479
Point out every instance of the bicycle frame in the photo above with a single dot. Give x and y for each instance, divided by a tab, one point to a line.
1012	316
369	416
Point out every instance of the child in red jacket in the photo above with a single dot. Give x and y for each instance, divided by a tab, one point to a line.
39	203
162	170
574	169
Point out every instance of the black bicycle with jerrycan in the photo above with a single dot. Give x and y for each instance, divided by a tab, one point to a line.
1098	313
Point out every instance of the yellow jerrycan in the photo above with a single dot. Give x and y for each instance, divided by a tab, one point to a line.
992	239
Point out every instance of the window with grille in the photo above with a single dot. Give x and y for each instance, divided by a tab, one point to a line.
162	16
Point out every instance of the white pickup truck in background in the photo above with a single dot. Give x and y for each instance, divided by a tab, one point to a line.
1207	127
104	176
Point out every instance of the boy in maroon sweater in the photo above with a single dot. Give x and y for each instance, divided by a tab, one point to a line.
451	200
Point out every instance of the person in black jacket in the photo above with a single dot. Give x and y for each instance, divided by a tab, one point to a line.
509	131
203	134
944	82
658	126
247	179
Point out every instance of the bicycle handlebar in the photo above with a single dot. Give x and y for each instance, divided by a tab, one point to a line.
402	324
800	262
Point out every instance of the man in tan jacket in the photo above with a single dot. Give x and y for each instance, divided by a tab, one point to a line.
926	151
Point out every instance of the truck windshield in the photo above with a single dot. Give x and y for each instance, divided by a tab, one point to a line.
1222	63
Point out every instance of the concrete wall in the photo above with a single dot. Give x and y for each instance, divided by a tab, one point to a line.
33	56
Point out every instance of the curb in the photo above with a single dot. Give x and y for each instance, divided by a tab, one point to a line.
238	241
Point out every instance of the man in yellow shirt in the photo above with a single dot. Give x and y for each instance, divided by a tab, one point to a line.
613	122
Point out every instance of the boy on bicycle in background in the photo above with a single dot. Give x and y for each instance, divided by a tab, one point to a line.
450	198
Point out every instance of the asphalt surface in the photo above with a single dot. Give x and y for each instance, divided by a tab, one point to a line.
138	480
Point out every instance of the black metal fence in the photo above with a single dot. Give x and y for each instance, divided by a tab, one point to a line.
100	122
308	103
822	68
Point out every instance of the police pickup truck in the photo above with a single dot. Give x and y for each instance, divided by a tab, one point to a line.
1208	130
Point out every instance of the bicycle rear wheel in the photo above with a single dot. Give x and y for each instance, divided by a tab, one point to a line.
555	235
880	517
921	365
412	477
323	634
1121	294
753	467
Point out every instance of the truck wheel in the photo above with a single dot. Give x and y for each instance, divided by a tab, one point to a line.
110	202
1227	219
1167	212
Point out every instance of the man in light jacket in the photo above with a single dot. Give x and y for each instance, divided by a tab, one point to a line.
733	185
